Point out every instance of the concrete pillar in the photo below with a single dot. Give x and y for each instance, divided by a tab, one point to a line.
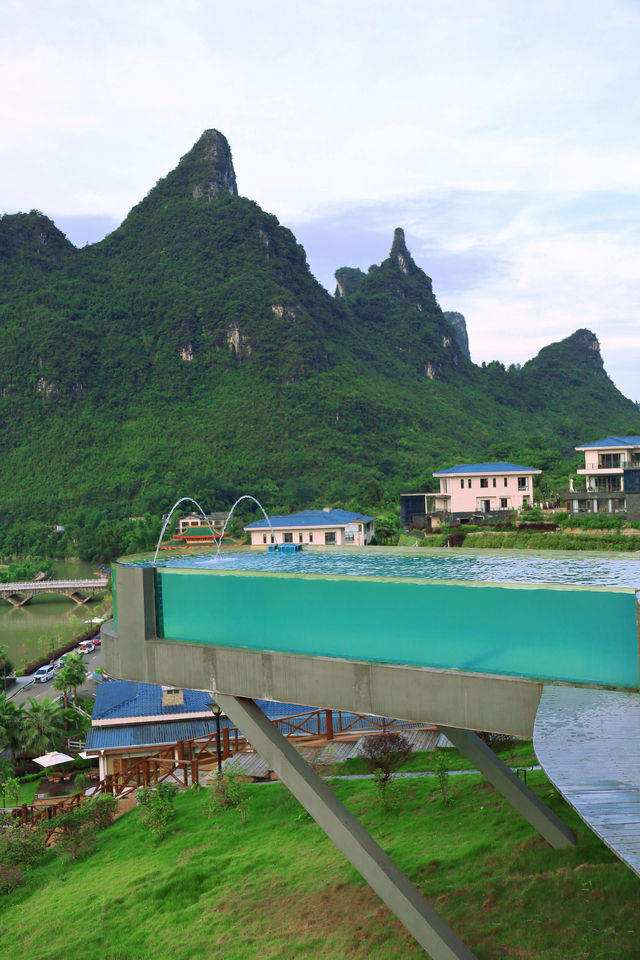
511	787
391	885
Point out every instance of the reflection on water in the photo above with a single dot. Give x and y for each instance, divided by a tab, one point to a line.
603	570
23	629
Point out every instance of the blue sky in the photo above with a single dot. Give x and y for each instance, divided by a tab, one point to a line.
503	136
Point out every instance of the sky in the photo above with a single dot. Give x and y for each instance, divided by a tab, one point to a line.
503	135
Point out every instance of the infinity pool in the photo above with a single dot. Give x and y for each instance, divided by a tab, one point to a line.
610	570
562	618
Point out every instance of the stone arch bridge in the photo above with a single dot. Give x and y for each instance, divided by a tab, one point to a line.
80	591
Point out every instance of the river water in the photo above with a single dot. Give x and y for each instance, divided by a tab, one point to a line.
27	631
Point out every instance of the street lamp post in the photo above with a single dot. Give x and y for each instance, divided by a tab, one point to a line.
216	711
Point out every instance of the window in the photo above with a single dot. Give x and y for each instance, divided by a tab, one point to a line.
272	540
506	482
299	538
494	481
310	537
288	538
503	503
523	483
329	537
484	482
264	538
462	484
469	483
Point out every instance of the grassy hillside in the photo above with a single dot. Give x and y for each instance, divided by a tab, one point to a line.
276	888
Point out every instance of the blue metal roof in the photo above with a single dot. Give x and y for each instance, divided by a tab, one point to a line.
464	468
128	699
312	518
125	699
150	734
612	442
168	732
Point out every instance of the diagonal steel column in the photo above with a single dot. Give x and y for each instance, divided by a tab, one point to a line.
525	801
388	881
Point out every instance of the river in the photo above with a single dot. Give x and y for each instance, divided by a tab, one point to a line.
27	632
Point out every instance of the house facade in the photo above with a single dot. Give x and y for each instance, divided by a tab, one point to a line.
612	478
471	491
216	520
314	528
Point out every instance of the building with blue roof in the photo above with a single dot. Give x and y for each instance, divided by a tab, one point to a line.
612	478
470	491
131	720
315	528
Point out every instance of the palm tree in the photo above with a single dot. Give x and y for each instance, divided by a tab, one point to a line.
73	672
5	666
43	726
11	722
61	684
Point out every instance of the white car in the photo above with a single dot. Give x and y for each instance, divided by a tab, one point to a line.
87	646
44	674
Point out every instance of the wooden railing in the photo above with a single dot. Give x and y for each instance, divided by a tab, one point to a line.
184	769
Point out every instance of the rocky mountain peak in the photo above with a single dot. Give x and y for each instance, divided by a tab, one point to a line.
213	164
204	173
399	252
459	325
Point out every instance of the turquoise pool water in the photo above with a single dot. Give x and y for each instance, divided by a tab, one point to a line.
610	570
560	618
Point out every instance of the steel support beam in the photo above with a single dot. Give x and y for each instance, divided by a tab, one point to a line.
525	801
388	881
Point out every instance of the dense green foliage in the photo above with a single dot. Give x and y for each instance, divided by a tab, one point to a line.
192	352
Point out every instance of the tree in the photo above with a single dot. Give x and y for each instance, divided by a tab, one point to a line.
11	721
43	725
5	666
72	673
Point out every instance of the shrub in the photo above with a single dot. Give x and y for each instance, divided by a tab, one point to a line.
156	807
76	834
22	846
102	811
384	753
227	793
441	767
11	876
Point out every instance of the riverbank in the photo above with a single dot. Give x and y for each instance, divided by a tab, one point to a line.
48	623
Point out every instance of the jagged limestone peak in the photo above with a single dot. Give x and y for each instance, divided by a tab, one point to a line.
212	166
204	173
399	252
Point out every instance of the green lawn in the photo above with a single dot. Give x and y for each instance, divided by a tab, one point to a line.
515	753
276	888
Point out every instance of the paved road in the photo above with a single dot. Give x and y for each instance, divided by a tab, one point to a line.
40	690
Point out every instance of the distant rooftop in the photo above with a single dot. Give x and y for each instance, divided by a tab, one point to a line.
312	518
611	442
466	468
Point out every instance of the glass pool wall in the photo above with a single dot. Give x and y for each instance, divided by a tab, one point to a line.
372	606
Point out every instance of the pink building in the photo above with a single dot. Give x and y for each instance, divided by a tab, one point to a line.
471	489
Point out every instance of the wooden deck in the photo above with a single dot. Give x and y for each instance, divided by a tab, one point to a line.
588	742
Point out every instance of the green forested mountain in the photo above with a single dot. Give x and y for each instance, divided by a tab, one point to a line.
192	352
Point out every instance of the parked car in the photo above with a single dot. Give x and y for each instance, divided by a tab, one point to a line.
97	640
60	661
87	646
44	673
